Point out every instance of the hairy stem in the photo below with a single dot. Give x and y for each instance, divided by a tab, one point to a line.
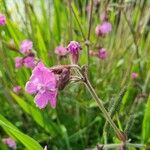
101	106
114	146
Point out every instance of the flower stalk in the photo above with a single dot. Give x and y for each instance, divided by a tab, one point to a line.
121	136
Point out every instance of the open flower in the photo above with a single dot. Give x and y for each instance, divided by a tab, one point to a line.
73	49
102	53
2	20
103	29
18	62
43	83
10	142
26	46
61	51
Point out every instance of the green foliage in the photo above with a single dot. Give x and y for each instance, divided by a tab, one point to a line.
76	123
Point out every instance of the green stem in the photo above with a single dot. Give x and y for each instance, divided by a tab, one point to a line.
101	106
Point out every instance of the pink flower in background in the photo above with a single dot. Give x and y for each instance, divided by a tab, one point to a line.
103	29
61	51
26	46
73	49
18	62
29	62
134	75
43	83
16	89
2	20
10	142
102	53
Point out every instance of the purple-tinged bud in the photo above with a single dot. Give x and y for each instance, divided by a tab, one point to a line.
2	20
17	89
103	29
134	75
10	142
102	53
74	48
26	46
61	51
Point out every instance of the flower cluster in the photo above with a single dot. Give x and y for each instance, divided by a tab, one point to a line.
10	142
28	60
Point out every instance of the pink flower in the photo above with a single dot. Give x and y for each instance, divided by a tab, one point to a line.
103	29
61	51
73	49
18	62
43	83
10	142
29	62
17	89
134	75
26	46
102	53
2	20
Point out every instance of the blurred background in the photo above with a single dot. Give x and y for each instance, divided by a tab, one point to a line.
76	123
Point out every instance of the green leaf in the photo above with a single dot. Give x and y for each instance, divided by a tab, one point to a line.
26	140
146	123
37	115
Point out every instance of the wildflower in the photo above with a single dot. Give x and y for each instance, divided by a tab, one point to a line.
61	51
134	75
18	62
73	49
102	53
26	46
43	83
29	62
10	142
17	89
2	20
103	29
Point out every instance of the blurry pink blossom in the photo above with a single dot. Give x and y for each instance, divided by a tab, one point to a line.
2	20
134	75
43	83
103	29
29	62
74	48
61	51
10	142
16	89
102	53
26	46
18	62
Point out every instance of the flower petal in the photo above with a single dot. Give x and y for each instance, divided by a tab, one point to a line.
53	98
41	99
31	87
